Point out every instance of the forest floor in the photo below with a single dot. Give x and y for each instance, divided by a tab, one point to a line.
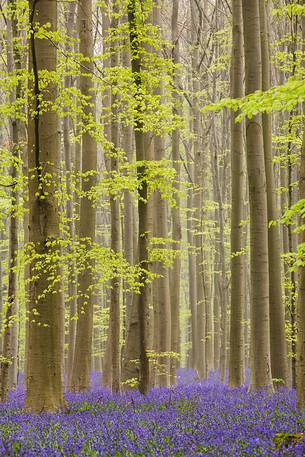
190	419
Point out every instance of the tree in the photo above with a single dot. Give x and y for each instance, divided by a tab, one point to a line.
131	347
45	347
83	341
279	366
176	218
115	318
69	168
260	322
8	367
197	201
135	8
163	296
236	362
300	315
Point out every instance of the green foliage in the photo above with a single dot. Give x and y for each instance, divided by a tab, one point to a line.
292	9
282	440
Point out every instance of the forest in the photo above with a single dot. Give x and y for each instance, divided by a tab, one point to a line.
152	228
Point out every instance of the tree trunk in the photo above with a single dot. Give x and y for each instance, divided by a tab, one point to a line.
279	366
8	352
14	63
216	307
1	286
106	109
84	328
192	270
131	346
300	324
222	281
161	231
72	276
46	325
260	324
236	362
197	154
143	221
176	219
300	315
114	316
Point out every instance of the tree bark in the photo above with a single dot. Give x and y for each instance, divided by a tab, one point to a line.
46	325
222	280
69	168
8	352
115	320
300	315
236	362
161	231
131	344
197	154
84	328
143	212
176	219
278	347
106	109
260	323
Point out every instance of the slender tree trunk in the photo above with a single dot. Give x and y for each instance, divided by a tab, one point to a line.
300	315
197	153
84	329
161	231
300	324
260	323
192	270
106	109
1	287
216	307
292	49
222	281
236	362
72	276
46	326
17	139
131	346
144	226
115	322
9	323
177	234
131	353
279	366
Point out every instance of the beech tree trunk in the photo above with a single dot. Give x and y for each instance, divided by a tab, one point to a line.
106	109
1	286
84	329
216	307
17	144
260	323
9	322
222	280
192	295
46	332
300	315
176	219
278	347
68	153
143	221
161	231
197	201
131	346
236	362
115	320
